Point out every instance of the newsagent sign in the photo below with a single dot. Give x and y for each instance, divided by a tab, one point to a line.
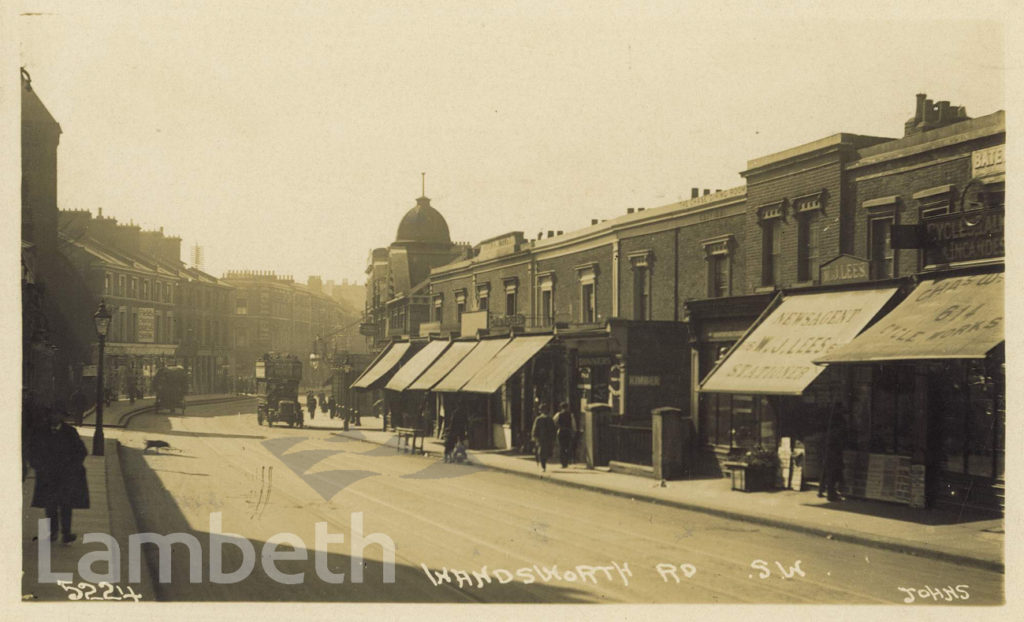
776	357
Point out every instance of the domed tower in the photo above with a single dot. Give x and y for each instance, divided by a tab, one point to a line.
423	225
422	242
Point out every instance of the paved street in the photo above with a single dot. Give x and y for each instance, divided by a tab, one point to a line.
526	540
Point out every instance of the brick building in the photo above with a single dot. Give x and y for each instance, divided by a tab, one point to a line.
848	236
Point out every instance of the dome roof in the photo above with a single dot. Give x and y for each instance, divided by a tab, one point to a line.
423	224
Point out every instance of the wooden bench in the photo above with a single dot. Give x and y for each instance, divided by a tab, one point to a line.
407	435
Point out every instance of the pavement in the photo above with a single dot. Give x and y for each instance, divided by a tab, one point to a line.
974	541
933	533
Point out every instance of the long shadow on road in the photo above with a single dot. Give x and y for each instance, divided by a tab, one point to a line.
154	506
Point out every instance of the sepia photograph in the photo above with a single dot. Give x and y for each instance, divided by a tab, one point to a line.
361	305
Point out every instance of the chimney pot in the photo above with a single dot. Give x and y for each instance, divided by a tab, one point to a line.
706	192
593	221
694	193
559	233
919	114
629	210
551	234
640	209
717	190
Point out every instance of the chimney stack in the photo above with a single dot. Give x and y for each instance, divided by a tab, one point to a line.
593	221
919	114
694	193
629	210
551	234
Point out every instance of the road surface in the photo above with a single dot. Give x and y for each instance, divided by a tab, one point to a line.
468	534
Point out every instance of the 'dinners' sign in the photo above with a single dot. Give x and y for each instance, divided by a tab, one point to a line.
777	356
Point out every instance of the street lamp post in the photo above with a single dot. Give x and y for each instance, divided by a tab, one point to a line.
102	321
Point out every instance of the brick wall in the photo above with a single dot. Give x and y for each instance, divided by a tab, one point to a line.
567	285
903	177
787	182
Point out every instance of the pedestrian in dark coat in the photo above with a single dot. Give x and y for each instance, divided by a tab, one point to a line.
543	434
566	426
57	455
78	404
832	464
456	428
311	404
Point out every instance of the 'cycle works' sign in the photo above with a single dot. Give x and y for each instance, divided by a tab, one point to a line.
964	237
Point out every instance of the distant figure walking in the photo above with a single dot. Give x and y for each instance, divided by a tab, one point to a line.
566	431
311	405
543	434
57	454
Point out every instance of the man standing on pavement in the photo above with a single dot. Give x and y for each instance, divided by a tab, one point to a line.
311	405
78	405
566	431
57	455
543	434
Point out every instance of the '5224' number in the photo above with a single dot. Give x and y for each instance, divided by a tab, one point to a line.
87	591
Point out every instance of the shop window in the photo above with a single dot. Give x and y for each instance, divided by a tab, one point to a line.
807	247
933	202
966	396
483	294
771	217
587	303
546	282
880	253
641	265
511	291
587	275
460	304
718	268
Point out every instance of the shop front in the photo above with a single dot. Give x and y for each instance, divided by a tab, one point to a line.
479	409
929	386
630	367
379	372
766	391
411	408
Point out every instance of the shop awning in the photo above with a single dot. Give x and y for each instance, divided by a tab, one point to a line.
472	363
444	364
508	361
952	318
381	366
776	356
415	366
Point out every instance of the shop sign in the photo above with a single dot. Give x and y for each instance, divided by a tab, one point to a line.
964	237
844	269
989	161
426	328
497	247
368	329
473	321
505	321
644	381
144	329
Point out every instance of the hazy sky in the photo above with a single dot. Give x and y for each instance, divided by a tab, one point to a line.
290	136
